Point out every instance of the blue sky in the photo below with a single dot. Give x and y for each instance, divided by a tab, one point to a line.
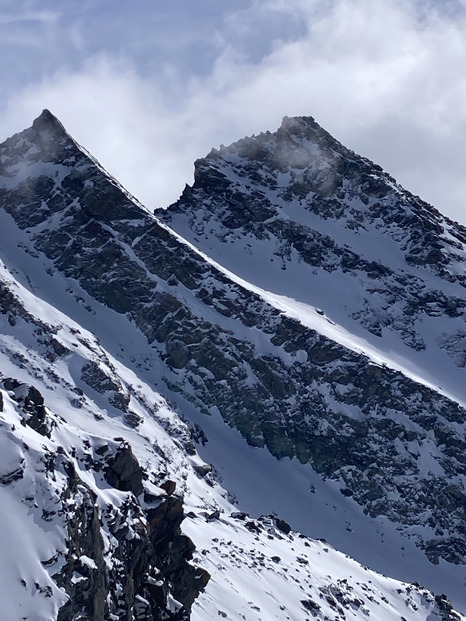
148	86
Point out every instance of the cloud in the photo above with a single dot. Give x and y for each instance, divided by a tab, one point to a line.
387	79
120	119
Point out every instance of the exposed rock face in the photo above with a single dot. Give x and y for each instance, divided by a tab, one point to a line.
282	384
299	196
123	471
149	560
94	377
31	403
122	561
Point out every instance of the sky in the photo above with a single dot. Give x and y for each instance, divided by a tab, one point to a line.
149	86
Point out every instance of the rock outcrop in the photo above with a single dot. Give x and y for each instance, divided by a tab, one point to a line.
281	383
123	560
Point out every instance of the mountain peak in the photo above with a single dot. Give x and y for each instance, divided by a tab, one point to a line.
299	144
48	122
45	119
49	134
293	122
47	156
316	309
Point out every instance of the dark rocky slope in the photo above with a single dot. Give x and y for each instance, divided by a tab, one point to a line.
297	198
284	386
120	555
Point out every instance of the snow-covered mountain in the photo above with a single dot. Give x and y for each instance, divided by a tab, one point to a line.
297	214
346	365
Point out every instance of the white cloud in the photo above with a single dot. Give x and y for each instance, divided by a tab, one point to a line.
119	118
386	78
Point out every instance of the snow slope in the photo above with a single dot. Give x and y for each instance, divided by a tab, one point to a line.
259	569
92	336
291	215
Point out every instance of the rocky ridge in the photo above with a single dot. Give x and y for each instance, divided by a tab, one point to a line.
95	503
297	198
118	550
394	446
